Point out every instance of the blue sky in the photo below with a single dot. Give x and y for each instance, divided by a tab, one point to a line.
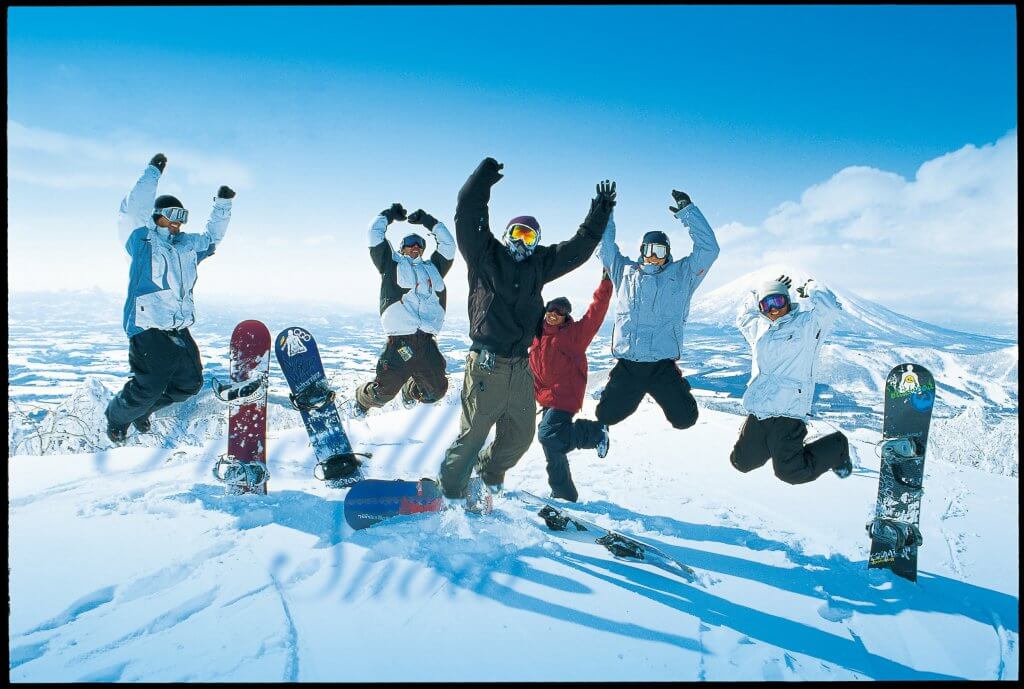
320	117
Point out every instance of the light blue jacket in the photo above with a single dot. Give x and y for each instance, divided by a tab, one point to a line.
652	303
164	267
784	352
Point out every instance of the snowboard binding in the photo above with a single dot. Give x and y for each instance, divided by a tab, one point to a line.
895	534
242	392
240	477
340	471
906	457
622	547
557	521
312	399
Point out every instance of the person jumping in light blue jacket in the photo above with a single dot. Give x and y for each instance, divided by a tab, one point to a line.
784	338
651	305
163	357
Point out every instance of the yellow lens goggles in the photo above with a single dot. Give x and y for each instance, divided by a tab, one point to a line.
527	235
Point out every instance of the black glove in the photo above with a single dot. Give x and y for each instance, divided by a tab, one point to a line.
396	212
597	218
606	194
487	172
786	280
225	192
682	201
605	275
421	217
159	161
801	291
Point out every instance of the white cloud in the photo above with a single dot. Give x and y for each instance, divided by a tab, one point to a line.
92	159
941	247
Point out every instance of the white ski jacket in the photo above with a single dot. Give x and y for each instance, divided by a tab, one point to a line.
784	353
164	268
412	292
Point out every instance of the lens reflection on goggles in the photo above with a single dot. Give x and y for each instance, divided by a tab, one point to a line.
773	301
174	214
412	241
658	250
527	235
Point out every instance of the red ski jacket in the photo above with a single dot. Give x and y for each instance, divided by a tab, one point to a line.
558	357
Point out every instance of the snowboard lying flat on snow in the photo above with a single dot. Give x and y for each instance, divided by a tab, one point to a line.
247	408
371	501
895	536
299	358
558	518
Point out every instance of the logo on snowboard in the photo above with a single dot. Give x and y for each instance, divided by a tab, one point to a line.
293	344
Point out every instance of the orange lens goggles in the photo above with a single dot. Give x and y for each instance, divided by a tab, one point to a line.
527	235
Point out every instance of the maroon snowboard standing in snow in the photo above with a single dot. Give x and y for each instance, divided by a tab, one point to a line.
244	467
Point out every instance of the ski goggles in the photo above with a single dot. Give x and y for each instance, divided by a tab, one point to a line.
657	250
413	240
527	235
773	301
173	214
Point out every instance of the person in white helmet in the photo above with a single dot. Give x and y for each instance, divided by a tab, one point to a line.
784	338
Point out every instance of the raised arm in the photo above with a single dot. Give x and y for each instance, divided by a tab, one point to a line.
822	302
216	224
472	226
705	246
380	250
587	327
748	318
611	258
444	256
565	256
137	206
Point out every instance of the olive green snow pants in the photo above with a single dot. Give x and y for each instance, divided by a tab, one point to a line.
502	398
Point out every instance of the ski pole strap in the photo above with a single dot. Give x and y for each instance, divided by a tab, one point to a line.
313	399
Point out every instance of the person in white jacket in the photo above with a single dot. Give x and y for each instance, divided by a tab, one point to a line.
164	359
412	307
784	338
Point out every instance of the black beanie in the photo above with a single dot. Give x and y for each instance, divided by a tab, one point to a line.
560	302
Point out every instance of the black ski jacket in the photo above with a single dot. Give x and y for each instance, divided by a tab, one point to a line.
505	304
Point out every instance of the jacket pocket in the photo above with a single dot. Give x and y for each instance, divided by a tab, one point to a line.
156	310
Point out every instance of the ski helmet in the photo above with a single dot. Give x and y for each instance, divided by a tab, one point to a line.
521	248
414	240
656	237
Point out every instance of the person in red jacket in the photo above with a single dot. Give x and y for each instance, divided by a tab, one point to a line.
558	358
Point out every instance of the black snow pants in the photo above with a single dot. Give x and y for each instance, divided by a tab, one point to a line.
166	368
629	381
558	435
781	439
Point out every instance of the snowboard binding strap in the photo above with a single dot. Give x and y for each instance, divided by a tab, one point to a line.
621	547
240	476
339	467
557	521
310	400
242	392
895	534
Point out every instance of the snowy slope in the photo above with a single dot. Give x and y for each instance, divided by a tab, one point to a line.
132	565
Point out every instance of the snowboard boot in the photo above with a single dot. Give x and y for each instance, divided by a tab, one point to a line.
143	424
408	400
845	466
603	442
479	498
116	434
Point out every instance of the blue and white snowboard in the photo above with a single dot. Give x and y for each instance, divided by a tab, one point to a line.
299	358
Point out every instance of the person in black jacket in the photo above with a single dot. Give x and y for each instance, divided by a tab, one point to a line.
505	311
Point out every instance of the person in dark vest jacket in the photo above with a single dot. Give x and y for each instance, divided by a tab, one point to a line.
412	309
505	306
558	359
